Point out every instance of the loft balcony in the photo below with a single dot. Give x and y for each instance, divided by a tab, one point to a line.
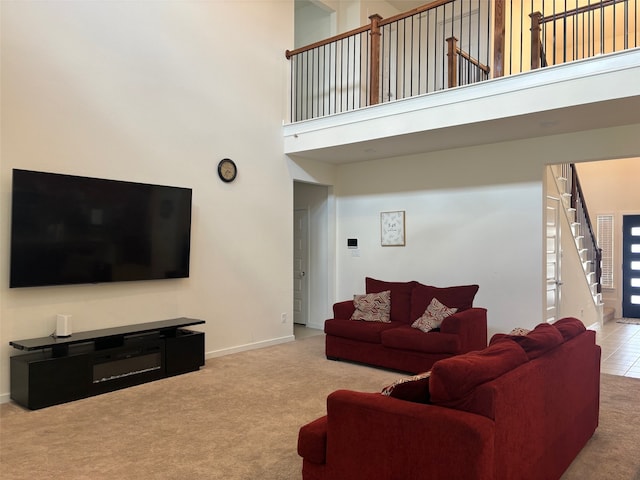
449	43
465	72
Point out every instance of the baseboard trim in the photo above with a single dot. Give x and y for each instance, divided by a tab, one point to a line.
6	397
249	346
316	326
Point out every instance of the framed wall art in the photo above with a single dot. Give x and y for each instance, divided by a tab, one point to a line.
392	229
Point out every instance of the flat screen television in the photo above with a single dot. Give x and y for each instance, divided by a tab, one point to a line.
68	229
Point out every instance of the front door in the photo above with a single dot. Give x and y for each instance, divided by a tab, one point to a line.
631	266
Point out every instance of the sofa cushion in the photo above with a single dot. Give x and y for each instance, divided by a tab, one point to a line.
515	331
460	297
372	307
454	378
535	343
407	338
400	297
358	330
312	441
412	389
433	316
540	340
569	327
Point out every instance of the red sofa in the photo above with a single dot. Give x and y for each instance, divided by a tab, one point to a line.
520	409
398	346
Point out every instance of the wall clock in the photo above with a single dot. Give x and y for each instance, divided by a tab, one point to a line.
227	170
392	228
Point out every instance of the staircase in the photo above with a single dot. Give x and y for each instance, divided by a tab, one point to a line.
582	229
608	314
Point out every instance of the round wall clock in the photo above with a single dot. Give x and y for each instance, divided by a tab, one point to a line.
227	170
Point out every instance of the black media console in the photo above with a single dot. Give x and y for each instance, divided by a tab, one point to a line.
90	363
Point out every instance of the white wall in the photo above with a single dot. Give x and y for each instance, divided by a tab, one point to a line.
473	216
313	22
351	14
157	92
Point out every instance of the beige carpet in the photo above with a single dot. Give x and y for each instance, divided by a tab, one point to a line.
238	418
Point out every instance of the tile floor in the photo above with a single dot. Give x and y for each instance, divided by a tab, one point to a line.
620	347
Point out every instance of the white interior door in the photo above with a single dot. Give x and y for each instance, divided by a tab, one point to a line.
300	266
553	255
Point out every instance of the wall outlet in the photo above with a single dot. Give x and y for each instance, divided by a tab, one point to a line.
283	317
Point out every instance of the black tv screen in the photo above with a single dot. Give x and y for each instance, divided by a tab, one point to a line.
67	229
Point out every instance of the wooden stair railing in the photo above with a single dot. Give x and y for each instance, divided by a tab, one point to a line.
453	52
538	58
587	231
374	32
393	57
403	55
536	39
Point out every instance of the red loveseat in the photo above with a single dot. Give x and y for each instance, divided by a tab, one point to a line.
520	409
398	346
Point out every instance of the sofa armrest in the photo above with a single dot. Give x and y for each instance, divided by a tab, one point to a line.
312	441
470	325
370	435
343	310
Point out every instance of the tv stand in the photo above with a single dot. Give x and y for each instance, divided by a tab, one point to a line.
89	363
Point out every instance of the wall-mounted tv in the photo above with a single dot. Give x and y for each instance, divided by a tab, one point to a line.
68	229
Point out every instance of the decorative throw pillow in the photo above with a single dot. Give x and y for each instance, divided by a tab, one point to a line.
411	389
372	307
400	297
519	331
433	316
460	297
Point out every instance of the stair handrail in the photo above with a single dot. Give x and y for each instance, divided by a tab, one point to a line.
580	10
579	204
453	52
538	57
377	22
378	19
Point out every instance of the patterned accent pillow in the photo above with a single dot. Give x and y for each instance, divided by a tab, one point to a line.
433	316
412	389
519	331
372	307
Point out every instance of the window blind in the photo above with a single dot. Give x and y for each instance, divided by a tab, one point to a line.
605	242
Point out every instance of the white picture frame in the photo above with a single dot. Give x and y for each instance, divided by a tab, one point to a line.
392	229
